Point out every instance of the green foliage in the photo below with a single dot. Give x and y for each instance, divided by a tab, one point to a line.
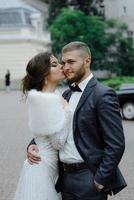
120	54
55	8
125	56
111	23
110	45
85	6
89	7
118	81
76	26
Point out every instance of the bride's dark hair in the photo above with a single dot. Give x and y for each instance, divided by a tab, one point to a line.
36	71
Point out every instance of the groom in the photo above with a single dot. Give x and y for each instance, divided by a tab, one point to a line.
89	160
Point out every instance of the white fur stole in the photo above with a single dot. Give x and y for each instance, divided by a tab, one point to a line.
46	113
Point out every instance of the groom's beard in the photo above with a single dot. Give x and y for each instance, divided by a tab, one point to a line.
77	77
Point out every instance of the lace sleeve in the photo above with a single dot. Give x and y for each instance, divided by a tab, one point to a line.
59	138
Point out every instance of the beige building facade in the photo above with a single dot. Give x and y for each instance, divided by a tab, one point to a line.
22	35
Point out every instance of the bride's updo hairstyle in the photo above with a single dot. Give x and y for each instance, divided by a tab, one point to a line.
36	71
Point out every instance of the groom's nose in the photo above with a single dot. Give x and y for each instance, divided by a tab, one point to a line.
66	68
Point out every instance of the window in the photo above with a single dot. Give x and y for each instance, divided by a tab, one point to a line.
10	18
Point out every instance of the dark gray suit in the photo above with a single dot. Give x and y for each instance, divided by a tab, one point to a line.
98	135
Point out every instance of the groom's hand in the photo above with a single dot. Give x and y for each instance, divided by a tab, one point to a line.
32	154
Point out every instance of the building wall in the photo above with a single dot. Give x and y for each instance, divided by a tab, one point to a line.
15	56
122	10
18	44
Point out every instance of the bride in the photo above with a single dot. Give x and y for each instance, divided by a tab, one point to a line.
49	118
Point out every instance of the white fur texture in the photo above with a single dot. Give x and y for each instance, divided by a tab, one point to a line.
46	113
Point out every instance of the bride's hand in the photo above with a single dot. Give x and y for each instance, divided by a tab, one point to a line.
65	103
32	154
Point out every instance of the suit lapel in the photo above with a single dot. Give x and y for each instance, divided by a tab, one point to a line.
87	91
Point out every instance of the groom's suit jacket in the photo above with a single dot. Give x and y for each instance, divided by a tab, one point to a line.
98	135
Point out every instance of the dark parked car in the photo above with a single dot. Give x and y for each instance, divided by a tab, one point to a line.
126	100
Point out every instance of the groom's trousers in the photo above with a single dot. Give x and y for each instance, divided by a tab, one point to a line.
79	185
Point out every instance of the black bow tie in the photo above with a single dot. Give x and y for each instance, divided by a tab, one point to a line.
75	88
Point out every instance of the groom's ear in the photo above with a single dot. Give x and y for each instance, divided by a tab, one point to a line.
87	61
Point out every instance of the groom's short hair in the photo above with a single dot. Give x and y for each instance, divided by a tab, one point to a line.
77	45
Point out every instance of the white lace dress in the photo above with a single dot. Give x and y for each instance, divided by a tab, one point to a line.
49	123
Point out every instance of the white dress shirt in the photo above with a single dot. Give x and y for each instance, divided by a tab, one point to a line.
70	154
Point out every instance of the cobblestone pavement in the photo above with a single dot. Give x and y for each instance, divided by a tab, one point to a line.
14	137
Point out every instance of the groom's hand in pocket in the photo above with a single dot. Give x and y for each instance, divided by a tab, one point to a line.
32	154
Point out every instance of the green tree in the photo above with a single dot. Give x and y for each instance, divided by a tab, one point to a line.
111	46
84	6
89	7
73	25
55	7
120	53
125	57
